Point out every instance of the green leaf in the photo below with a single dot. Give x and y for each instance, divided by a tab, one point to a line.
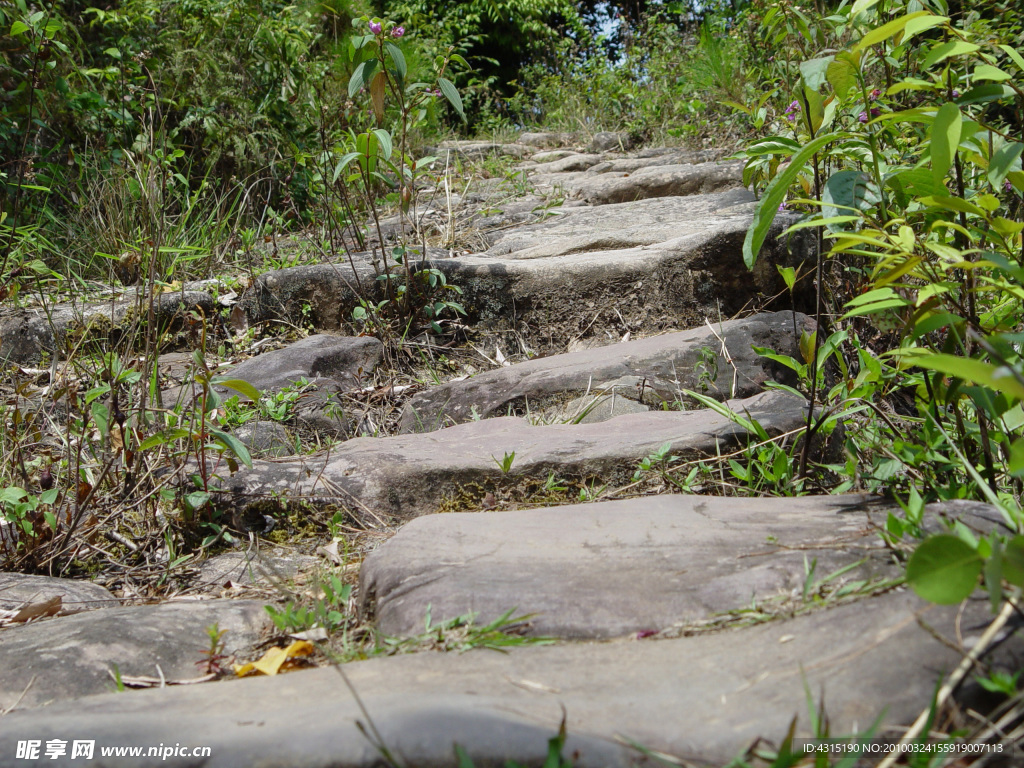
361	76
815	71
971	369
1013	561
944	569
398	57
384	138
197	499
986	92
1004	160
845	190
921	24
233	444
1014	56
945	136
842	76
343	163
884	32
768	207
989	72
240	386
19	28
945	50
452	94
12	494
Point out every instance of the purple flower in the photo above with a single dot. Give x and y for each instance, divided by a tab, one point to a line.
376	28
956	94
436	92
794	106
782	206
875	111
1008	186
863	117
398	31
875	94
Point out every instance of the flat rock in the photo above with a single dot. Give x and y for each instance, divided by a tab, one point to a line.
590	409
27	334
342	360
17	589
477	150
254	568
266	438
610	141
659	181
719	360
572	162
640	267
401	477
668	157
72	656
551	155
616	568
545	139
864	659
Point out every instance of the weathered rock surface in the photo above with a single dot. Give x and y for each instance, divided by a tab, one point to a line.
704	699
409	475
718	359
265	568
659	181
17	589
266	438
669	157
551	155
477	150
611	569
608	141
640	267
25	335
72	656
320	359
589	409
572	163
545	139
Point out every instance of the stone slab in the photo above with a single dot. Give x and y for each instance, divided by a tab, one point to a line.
29	334
617	568
659	181
72	656
640	267
718	360
17	589
705	699
401	477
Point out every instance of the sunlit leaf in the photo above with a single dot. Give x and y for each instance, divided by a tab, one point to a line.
944	569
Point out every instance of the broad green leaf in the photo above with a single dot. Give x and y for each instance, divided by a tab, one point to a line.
1013	561
12	494
240	386
233	444
452	94
1014	56
343	163
862	5
845	190
944	569
971	369
989	72
815	71
921	24
398	58
842	76
945	136
981	94
197	499
1004	160
163	438
361	76
768	207
19	28
945	50
1016	463
884	32
385	142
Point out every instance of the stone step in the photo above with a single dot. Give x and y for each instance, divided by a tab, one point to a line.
640	565
397	478
716	359
705	699
642	267
73	656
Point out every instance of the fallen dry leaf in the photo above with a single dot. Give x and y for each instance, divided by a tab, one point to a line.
276	659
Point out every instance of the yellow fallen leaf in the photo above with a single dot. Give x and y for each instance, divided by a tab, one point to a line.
275	659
